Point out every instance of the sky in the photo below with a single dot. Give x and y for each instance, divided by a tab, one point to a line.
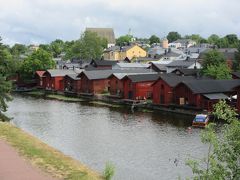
42	21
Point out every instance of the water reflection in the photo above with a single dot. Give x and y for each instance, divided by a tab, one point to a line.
141	145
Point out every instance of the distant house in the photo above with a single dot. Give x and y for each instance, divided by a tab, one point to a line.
54	78
120	53
182	43
203	94
129	66
161	68
163	93
183	64
107	33
138	86
186	72
100	64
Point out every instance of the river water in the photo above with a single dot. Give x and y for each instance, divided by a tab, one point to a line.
142	146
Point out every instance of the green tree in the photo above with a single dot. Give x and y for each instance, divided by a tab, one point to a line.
194	37
173	36
220	71
38	60
223	157
154	39
57	47
124	40
5	70
213	57
223	43
18	49
89	46
232	39
213	39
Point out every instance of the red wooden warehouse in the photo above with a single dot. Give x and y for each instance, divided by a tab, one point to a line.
163	88
138	86
40	79
72	83
54	79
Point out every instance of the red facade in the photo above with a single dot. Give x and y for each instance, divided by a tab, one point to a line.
39	76
137	90
162	93
54	83
115	86
94	86
72	85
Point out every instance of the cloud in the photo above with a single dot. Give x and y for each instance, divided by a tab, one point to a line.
37	21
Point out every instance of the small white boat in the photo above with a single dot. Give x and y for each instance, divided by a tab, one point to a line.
200	120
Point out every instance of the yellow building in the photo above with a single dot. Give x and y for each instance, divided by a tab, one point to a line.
120	53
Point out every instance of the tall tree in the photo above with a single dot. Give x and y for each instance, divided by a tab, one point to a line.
18	49
213	39
223	156
124	40
173	36
38	60
57	47
213	57
220	71
89	46
5	70
154	39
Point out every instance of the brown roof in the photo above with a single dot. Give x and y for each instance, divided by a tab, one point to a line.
107	33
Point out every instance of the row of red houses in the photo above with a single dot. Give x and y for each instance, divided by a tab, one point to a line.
164	89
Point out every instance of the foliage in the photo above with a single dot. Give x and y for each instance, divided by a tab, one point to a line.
89	46
223	157
124	40
194	37
213	57
154	39
18	49
6	69
173	36
56	47
236	62
213	39
221	71
38	60
109	171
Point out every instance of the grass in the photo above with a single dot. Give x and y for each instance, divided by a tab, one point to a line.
105	104
45	157
36	93
63	98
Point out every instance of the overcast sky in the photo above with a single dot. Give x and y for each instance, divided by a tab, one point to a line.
42	21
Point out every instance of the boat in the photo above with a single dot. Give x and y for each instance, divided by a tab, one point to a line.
200	120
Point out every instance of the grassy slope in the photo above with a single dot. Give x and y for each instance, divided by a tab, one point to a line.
45	157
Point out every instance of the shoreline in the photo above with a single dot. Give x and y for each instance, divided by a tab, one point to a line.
104	100
45	157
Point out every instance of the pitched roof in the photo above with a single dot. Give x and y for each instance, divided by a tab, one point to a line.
237	74
103	62
211	86
143	77
126	73
159	67
40	73
62	72
186	72
181	63
107	33
131	65
73	76
172	79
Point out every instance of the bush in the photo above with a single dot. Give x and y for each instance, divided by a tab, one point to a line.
109	171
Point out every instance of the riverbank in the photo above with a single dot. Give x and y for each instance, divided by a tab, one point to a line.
105	100
44	156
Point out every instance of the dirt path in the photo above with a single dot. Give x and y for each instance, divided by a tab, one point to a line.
14	167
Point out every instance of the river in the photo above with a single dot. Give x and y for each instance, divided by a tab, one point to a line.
142	146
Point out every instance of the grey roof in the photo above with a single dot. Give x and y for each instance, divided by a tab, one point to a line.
102	63
143	77
107	33
183	41
211	86
73	76
228	53
130	65
237	74
62	72
172	79
187	72
181	63
112	48
215	96
135	72
160	67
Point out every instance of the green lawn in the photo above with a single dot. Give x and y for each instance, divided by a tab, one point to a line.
44	156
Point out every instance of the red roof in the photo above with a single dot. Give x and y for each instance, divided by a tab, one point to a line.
40	73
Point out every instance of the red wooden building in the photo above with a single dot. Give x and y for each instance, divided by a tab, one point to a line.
94	82
72	83
100	64
163	93
203	94
138	86
116	84
54	79
40	79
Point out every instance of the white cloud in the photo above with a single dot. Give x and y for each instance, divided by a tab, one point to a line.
29	21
